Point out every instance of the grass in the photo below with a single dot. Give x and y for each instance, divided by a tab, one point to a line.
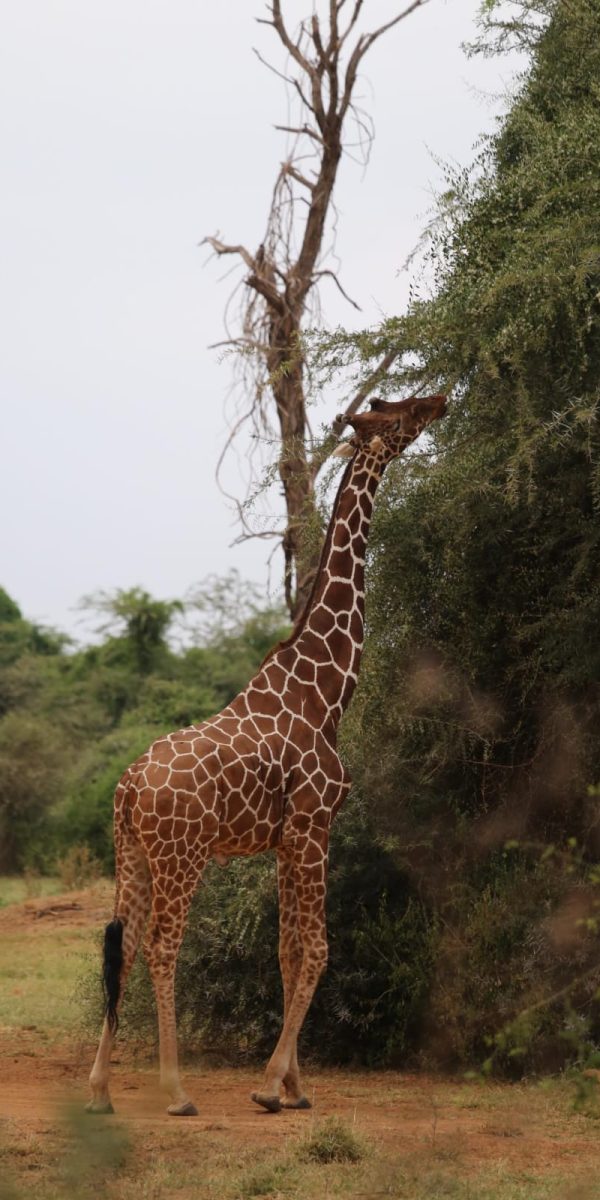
14	889
38	978
331	1141
40	963
107	1162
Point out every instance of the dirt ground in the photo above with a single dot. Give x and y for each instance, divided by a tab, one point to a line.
467	1129
398	1109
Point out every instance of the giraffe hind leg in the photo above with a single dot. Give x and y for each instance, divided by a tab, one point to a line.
122	938
170	906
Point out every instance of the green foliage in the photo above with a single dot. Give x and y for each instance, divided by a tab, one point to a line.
30	779
234	634
475	725
85	816
9	609
142	624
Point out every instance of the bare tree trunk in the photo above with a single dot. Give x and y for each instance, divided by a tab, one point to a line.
285	273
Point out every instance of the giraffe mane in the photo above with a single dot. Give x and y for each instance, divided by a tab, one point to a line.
302	618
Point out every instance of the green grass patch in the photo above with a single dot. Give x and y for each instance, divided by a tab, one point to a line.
14	889
39	975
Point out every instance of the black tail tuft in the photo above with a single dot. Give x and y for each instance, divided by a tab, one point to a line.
113	961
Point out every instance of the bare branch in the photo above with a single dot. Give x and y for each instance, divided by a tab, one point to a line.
332	275
289	169
365	390
304	129
255	533
363	44
266	289
316	110
323	451
292	48
316	37
270	67
352	22
372	37
221	248
242	343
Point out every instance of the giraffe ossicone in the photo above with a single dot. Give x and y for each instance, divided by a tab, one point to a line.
264	774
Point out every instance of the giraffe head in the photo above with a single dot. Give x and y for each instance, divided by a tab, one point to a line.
390	427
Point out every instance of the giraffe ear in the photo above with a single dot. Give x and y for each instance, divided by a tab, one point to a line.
343	450
376	443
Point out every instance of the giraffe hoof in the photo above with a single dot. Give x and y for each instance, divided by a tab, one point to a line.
99	1108
301	1102
271	1103
183	1110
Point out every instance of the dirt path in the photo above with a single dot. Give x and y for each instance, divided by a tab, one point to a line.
85	909
398	1110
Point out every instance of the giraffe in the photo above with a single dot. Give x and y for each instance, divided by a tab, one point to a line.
264	774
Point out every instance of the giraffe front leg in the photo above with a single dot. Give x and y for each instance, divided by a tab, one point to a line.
290	961
309	868
170	1082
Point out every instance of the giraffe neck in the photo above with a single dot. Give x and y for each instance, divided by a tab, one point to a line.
330	633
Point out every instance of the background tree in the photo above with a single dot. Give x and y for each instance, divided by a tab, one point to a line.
280	290
141	623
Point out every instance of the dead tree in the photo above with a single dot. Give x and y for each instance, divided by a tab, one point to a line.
280	288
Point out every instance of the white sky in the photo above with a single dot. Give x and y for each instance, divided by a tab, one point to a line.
129	130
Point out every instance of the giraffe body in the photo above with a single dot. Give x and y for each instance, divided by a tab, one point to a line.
264	774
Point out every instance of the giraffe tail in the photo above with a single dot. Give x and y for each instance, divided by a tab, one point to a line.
111	972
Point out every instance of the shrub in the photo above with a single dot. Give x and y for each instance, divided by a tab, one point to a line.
331	1141
77	868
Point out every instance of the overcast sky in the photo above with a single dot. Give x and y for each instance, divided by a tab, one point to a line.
131	129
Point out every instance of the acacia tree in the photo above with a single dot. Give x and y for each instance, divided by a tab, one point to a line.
479	701
283	276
